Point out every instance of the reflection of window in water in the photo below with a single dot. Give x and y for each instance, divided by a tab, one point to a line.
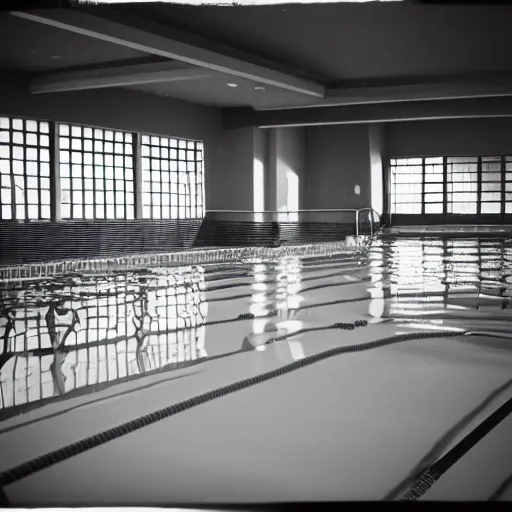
288	281
275	288
281	293
441	272
259	301
376	290
105	330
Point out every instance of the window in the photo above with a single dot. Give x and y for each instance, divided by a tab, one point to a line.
433	186
100	173
172	178
407	185
451	185
24	169
96	173
508	184
462	185
491	185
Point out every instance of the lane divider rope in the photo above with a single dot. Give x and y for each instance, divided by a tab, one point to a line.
186	365
432	474
49	459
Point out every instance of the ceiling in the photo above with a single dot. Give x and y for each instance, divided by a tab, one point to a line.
356	41
214	91
33	48
356	53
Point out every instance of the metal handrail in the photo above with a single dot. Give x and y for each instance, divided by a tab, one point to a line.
356	210
284	211
370	209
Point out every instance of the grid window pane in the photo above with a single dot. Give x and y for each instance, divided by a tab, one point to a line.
92	157
494	208
462	178
23	150
470	185
491	186
407	185
98	165
433	208
172	179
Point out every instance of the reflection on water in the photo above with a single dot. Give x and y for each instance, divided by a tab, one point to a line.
66	336
279	301
80	333
443	280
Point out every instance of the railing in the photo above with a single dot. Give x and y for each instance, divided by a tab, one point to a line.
291	215
290	211
371	211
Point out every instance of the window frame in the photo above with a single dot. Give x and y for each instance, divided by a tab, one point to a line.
99	160
30	170
196	190
486	182
194	207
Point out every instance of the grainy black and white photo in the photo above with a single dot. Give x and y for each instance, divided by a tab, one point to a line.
255	254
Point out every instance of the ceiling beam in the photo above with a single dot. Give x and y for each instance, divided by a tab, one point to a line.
129	36
117	76
369	113
450	88
419	92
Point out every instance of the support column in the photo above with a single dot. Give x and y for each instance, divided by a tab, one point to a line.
55	189
287	169
137	170
230	180
260	169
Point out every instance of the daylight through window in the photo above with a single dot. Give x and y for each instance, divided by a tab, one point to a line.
451	185
24	169
172	178
96	173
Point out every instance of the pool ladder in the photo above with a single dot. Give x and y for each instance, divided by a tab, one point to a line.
370	216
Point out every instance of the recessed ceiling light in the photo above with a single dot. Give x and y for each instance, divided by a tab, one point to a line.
259	88
232	85
56	57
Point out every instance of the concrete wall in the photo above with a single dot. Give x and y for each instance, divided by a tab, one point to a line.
241	170
252	167
291	160
286	164
337	159
271	187
232	187
123	110
454	137
281	170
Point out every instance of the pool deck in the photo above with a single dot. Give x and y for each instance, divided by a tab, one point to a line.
452	230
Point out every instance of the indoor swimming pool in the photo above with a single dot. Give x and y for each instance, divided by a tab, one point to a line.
85	352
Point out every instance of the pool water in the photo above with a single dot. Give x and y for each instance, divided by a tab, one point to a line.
84	353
